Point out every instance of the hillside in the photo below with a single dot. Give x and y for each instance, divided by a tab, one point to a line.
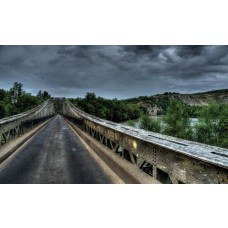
157	104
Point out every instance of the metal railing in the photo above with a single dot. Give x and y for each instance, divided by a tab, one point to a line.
14	126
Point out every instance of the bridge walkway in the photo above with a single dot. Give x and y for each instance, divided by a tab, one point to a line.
54	155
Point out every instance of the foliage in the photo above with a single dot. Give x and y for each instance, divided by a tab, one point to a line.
214	91
2	95
163	100
43	96
143	109
16	100
130	123
114	110
2	110
212	127
193	111
177	122
150	124
16	92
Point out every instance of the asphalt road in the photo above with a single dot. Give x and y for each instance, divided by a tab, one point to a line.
54	155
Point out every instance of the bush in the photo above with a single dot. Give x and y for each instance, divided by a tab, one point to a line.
2	110
130	123
150	124
16	100
212	127
177	121
114	110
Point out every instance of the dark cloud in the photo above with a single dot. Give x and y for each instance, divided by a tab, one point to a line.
189	51
114	71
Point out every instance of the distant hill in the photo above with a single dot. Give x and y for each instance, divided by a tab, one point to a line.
157	104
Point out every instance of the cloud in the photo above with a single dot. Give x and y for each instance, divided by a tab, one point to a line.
114	71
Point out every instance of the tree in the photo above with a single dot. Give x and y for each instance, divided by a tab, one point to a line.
90	97
114	110
2	95
46	95
130	123
26	102
150	124
16	92
212	127
2	110
177	121
43	96
16	100
39	95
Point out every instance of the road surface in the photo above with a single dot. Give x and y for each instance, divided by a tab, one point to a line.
54	155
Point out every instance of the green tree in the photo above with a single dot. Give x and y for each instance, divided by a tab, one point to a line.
177	121
2	95
130	123
16	92
42	96
26	102
150	124
2	110
39	95
16	100
114	110
90	97
46	95
212	127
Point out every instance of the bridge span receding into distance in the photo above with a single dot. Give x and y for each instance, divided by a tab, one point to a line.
58	143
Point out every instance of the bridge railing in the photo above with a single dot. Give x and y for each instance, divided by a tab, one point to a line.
165	158
15	126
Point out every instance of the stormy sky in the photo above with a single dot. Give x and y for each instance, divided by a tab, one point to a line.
114	71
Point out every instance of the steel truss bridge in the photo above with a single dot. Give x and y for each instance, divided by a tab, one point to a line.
58	143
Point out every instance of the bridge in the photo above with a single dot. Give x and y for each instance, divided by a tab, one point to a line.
58	143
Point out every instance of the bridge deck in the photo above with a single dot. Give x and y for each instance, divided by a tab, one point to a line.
54	155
